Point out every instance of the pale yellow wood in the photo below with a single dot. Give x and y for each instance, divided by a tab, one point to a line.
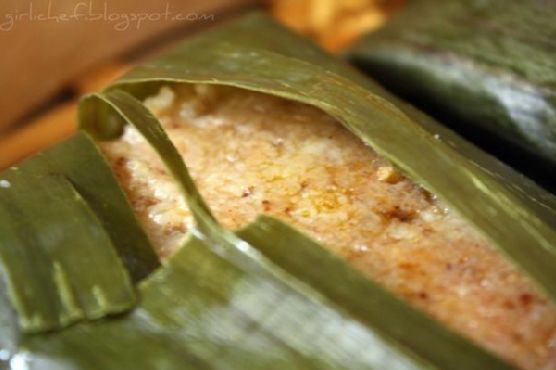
56	125
99	77
39	56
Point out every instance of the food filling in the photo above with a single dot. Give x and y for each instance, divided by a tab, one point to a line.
251	153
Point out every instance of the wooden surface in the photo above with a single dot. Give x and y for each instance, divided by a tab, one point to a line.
58	121
44	57
41	51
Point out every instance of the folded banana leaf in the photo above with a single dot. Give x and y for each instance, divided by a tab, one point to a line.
56	230
211	308
214	304
87	170
487	68
267	296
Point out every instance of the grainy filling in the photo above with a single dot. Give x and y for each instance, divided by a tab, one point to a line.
251	153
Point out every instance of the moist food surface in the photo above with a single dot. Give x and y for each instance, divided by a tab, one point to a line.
251	153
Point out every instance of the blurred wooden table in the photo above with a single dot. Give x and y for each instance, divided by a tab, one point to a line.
58	50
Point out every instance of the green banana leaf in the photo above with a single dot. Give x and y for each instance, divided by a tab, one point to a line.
214	305
9	327
88	171
213	308
240	300
487	67
60	262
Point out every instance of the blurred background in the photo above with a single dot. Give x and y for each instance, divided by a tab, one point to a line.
57	50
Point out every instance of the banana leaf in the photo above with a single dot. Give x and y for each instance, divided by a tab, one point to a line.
51	263
488	68
214	304
239	300
9	327
225	309
88	172
59	260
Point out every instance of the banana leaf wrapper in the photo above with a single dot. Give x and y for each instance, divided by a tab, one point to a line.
215	303
224	297
487	68
489	195
68	251
217	308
